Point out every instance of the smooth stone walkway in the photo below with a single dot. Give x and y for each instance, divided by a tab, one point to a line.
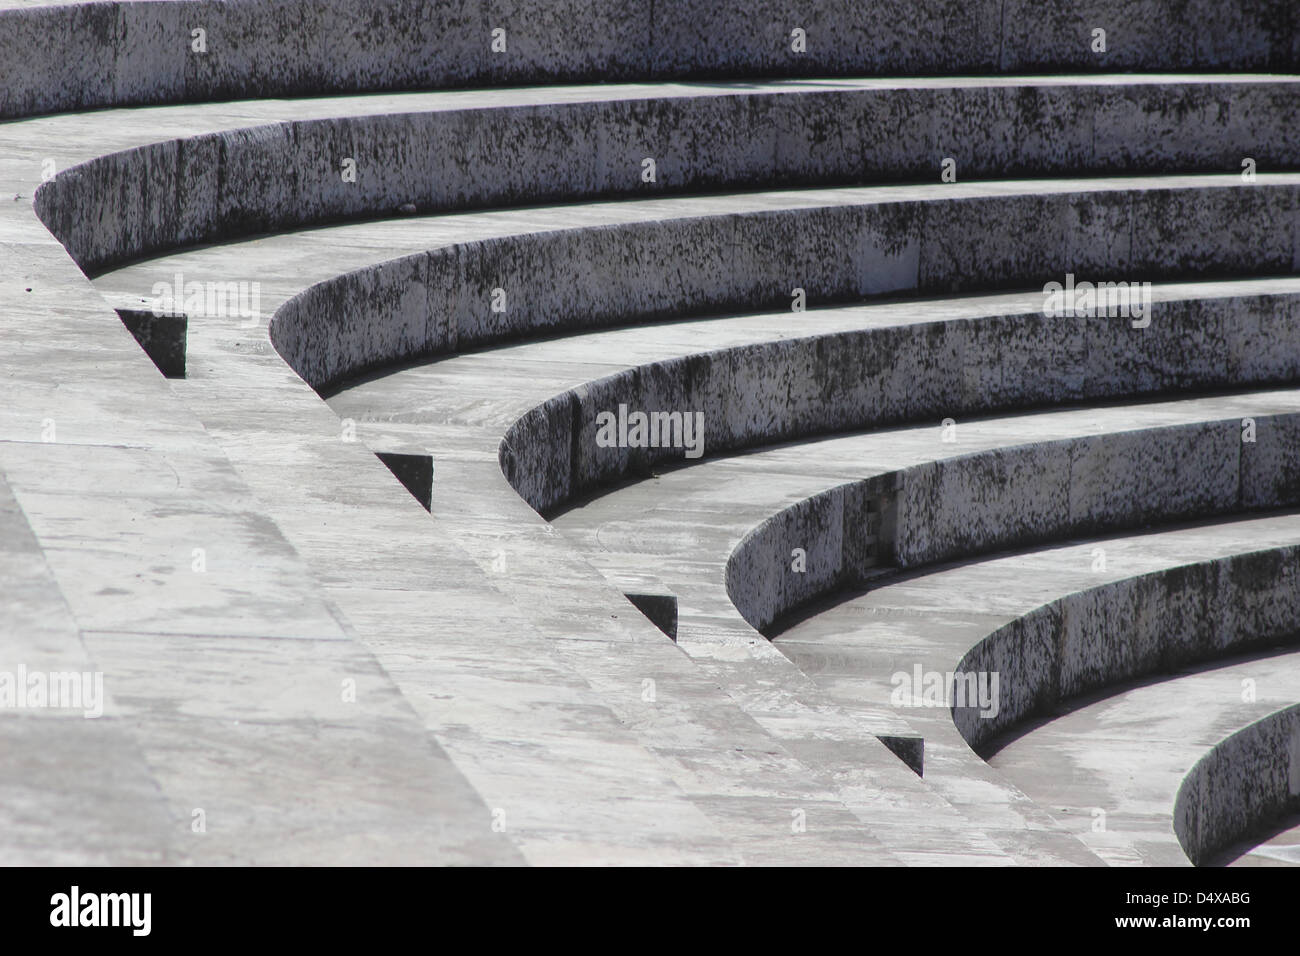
223	660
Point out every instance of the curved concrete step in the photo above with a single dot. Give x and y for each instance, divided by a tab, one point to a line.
903	631
317	161
758	245
1245	788
1113	768
445	407
83	55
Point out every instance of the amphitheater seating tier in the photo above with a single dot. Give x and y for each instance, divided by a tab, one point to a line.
462	247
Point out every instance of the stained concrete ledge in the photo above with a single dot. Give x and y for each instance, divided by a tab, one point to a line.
238	182
80	56
1011	498
997	236
1114	762
1122	630
1245	783
780	390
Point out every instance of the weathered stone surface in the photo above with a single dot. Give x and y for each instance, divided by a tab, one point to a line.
781	390
497	669
122	53
643	272
231	183
1247	781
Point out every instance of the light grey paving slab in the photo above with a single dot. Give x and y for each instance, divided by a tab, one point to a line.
229	726
118	484
75	790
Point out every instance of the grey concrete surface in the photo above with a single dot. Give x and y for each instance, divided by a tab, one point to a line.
151	546
1246	783
159	269
675	536
526	149
78	56
727	740
1126	769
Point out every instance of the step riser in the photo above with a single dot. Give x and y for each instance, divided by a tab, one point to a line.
224	185
778	391
92	55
